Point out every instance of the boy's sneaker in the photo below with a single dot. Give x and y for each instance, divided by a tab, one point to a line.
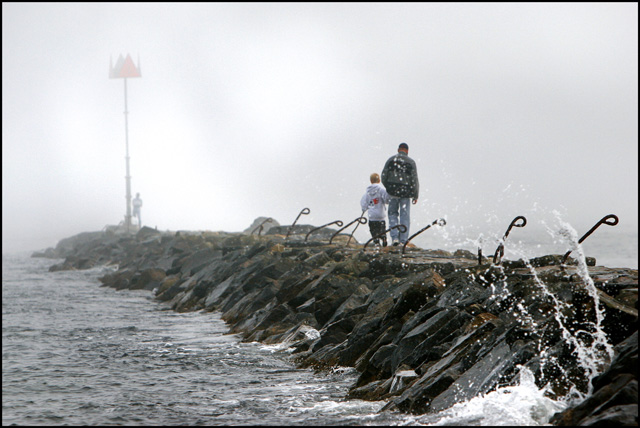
395	243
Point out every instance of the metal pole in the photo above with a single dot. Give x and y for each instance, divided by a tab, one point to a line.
127	217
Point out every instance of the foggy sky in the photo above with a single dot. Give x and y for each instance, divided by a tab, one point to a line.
253	109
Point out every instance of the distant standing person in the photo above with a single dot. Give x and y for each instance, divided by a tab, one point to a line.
400	178
137	204
375	200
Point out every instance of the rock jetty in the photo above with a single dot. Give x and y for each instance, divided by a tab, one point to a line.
425	329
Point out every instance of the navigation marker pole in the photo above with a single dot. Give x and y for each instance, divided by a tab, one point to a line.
125	68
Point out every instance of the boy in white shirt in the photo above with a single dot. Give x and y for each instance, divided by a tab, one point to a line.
375	200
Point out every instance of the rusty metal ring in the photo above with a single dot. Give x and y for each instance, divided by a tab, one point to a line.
500	250
603	220
359	220
400	227
304	211
260	226
338	222
439	222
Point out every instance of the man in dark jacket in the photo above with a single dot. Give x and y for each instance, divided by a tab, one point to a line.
400	178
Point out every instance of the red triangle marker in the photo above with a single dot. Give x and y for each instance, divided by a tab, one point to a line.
128	68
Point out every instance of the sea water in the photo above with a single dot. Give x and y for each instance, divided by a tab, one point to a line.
75	353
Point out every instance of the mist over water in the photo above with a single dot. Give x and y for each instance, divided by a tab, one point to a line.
260	109
247	110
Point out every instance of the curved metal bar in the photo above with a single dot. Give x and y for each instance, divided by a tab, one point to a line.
513	223
603	220
260	226
401	227
439	222
500	250
355	228
359	220
338	222
480	242
304	211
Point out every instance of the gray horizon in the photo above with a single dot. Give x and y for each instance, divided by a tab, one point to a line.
261	109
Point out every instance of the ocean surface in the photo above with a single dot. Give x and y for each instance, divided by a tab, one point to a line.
75	353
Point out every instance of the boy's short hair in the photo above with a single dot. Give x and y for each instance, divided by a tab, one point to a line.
375	178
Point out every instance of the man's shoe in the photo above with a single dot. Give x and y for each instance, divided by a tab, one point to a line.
395	243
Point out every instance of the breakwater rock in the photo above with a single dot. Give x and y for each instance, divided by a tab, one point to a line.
425	329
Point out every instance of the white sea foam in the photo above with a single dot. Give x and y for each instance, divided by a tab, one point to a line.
522	404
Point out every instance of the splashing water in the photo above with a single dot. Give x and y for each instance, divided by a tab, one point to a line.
522	404
590	357
591	348
525	403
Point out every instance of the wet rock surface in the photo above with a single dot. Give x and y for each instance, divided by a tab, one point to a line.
425	329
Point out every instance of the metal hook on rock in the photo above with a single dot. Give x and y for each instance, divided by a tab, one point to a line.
480	241
338	222
260	226
360	220
439	222
304	211
401	227
603	220
497	256
355	228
